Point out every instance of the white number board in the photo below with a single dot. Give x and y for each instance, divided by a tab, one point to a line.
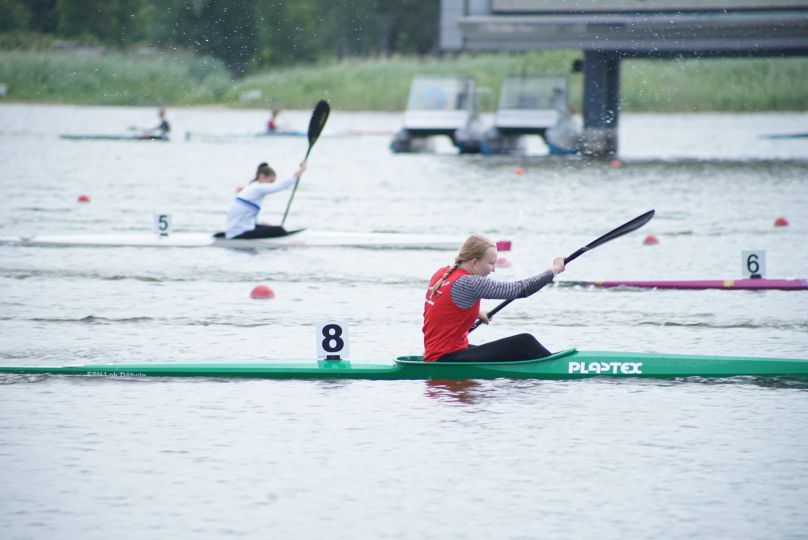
332	341
162	224
753	263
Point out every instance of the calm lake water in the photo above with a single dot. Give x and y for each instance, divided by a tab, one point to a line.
98	458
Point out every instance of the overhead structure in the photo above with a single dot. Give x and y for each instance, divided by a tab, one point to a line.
610	30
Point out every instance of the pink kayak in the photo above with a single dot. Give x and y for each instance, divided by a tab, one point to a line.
731	284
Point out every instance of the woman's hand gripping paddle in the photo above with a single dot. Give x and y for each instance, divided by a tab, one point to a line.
316	125
625	228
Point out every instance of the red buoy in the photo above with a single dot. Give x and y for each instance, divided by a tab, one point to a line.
650	240
615	163
262	292
503	245
519	171
781	222
84	198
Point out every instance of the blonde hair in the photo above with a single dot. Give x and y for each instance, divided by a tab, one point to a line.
474	247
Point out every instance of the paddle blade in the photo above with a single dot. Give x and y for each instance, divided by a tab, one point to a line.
625	228
316	125
317	122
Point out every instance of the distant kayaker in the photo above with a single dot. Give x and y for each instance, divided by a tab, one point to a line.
243	212
160	131
453	305
163	128
272	124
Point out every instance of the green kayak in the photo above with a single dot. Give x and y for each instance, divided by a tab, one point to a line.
568	364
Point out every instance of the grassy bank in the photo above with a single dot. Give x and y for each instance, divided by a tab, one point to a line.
764	84
759	84
92	78
383	84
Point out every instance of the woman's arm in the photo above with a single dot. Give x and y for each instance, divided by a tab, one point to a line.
470	288
280	185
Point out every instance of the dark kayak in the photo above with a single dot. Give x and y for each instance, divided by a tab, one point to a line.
98	137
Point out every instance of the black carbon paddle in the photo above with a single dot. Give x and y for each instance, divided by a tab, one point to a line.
625	228
316	125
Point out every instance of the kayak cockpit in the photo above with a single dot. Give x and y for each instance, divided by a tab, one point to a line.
276	232
417	360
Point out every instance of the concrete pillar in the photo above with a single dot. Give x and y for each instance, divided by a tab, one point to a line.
601	103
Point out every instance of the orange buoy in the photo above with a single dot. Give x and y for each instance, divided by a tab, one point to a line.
519	170
84	198
615	163
262	292
503	245
781	222
503	262
650	240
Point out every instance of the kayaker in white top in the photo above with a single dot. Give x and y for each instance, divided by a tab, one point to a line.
243	212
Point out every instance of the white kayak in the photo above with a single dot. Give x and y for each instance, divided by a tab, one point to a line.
302	238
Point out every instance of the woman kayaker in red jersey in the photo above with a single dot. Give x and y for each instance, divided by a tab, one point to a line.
453	304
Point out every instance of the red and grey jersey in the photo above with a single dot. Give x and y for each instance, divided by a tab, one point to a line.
446	325
452	310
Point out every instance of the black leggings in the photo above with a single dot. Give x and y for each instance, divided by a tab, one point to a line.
263	231
518	347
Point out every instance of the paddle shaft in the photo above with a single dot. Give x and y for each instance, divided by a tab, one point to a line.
506	302
625	228
316	124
